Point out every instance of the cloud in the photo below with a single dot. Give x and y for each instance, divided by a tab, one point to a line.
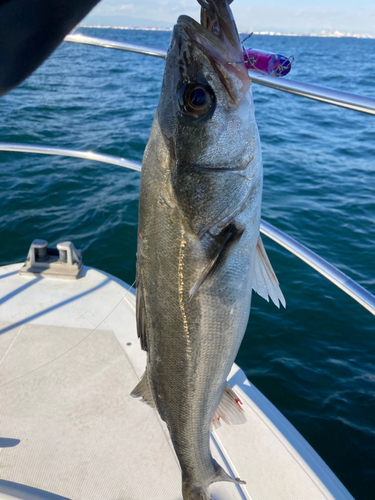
305	19
162	10
294	16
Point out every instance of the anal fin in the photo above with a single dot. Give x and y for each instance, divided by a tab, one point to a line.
229	410
142	390
265	282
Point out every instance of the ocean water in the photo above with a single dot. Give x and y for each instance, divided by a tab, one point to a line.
315	360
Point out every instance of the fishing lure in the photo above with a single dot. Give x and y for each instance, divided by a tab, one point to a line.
267	62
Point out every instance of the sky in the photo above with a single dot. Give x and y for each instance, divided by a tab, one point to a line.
287	16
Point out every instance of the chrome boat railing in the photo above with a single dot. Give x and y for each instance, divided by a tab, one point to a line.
315	92
87	155
337	277
111	44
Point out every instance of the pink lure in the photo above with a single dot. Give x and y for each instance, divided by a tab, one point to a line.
267	63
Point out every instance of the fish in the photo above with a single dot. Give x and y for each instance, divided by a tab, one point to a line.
199	252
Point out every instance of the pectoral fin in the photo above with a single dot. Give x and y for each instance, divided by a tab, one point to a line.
228	235
265	282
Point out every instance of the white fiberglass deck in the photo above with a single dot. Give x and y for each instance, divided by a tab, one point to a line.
69	357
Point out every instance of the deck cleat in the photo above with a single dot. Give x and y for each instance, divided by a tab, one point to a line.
63	262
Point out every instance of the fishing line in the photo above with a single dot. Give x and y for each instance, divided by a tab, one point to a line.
74	346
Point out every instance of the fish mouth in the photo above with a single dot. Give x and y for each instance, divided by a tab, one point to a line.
217	25
217	37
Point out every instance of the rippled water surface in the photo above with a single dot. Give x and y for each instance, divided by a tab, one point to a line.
315	360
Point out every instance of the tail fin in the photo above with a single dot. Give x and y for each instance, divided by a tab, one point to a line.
194	493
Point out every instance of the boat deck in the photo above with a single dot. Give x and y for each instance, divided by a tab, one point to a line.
69	358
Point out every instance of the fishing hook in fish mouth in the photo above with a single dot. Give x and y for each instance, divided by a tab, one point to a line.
243	48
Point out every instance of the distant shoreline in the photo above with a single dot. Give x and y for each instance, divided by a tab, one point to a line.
335	34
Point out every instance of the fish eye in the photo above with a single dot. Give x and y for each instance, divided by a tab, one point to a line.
197	97
197	100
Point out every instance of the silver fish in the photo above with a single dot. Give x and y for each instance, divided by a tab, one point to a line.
199	254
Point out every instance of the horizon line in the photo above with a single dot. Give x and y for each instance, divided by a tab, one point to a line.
323	34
